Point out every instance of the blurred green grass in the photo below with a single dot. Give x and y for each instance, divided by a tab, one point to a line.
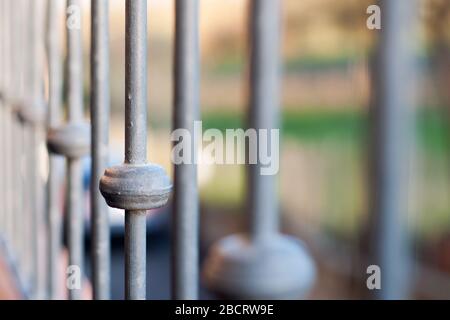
346	125
344	134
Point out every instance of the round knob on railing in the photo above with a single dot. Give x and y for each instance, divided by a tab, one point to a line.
277	268
32	111
135	187
71	140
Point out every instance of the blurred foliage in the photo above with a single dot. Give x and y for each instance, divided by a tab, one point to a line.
345	124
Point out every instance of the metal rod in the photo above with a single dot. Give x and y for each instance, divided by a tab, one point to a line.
185	229
75	185
73	141
3	79
135	141
135	254
6	75
264	109
8	120
20	229
391	115
36	23
100	101
75	220
263	264
54	236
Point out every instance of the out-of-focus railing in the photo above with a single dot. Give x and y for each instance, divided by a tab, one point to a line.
262	263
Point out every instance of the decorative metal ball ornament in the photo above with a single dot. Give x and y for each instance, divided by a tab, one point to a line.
135	186
72	140
278	267
31	111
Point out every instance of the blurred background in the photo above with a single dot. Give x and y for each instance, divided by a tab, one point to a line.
324	152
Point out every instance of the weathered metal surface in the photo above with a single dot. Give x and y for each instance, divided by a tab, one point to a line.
75	212
391	119
54	214
135	186
185	227
100	101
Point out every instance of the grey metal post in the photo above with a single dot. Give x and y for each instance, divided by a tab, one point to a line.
75	212
185	230
31	110
393	97
136	141
2	113
135	186
20	217
73	141
54	230
8	124
37	23
264	104
263	264
99	147
3	46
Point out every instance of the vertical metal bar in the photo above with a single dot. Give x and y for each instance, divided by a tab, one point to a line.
26	170
135	141
393	95
54	236
2	110
17	94
135	186
19	229
75	220
186	111
7	128
264	109
264	264
73	141
135	254
75	184
100	101
22	104
136	82
38	136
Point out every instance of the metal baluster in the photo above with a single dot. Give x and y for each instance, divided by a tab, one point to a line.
30	258
73	141
393	98
186	209
7	130
54	230
4	95
17	147
135	185
2	113
99	147
16	94
264	264
32	112
22	214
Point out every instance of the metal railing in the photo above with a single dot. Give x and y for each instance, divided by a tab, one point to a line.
260	264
